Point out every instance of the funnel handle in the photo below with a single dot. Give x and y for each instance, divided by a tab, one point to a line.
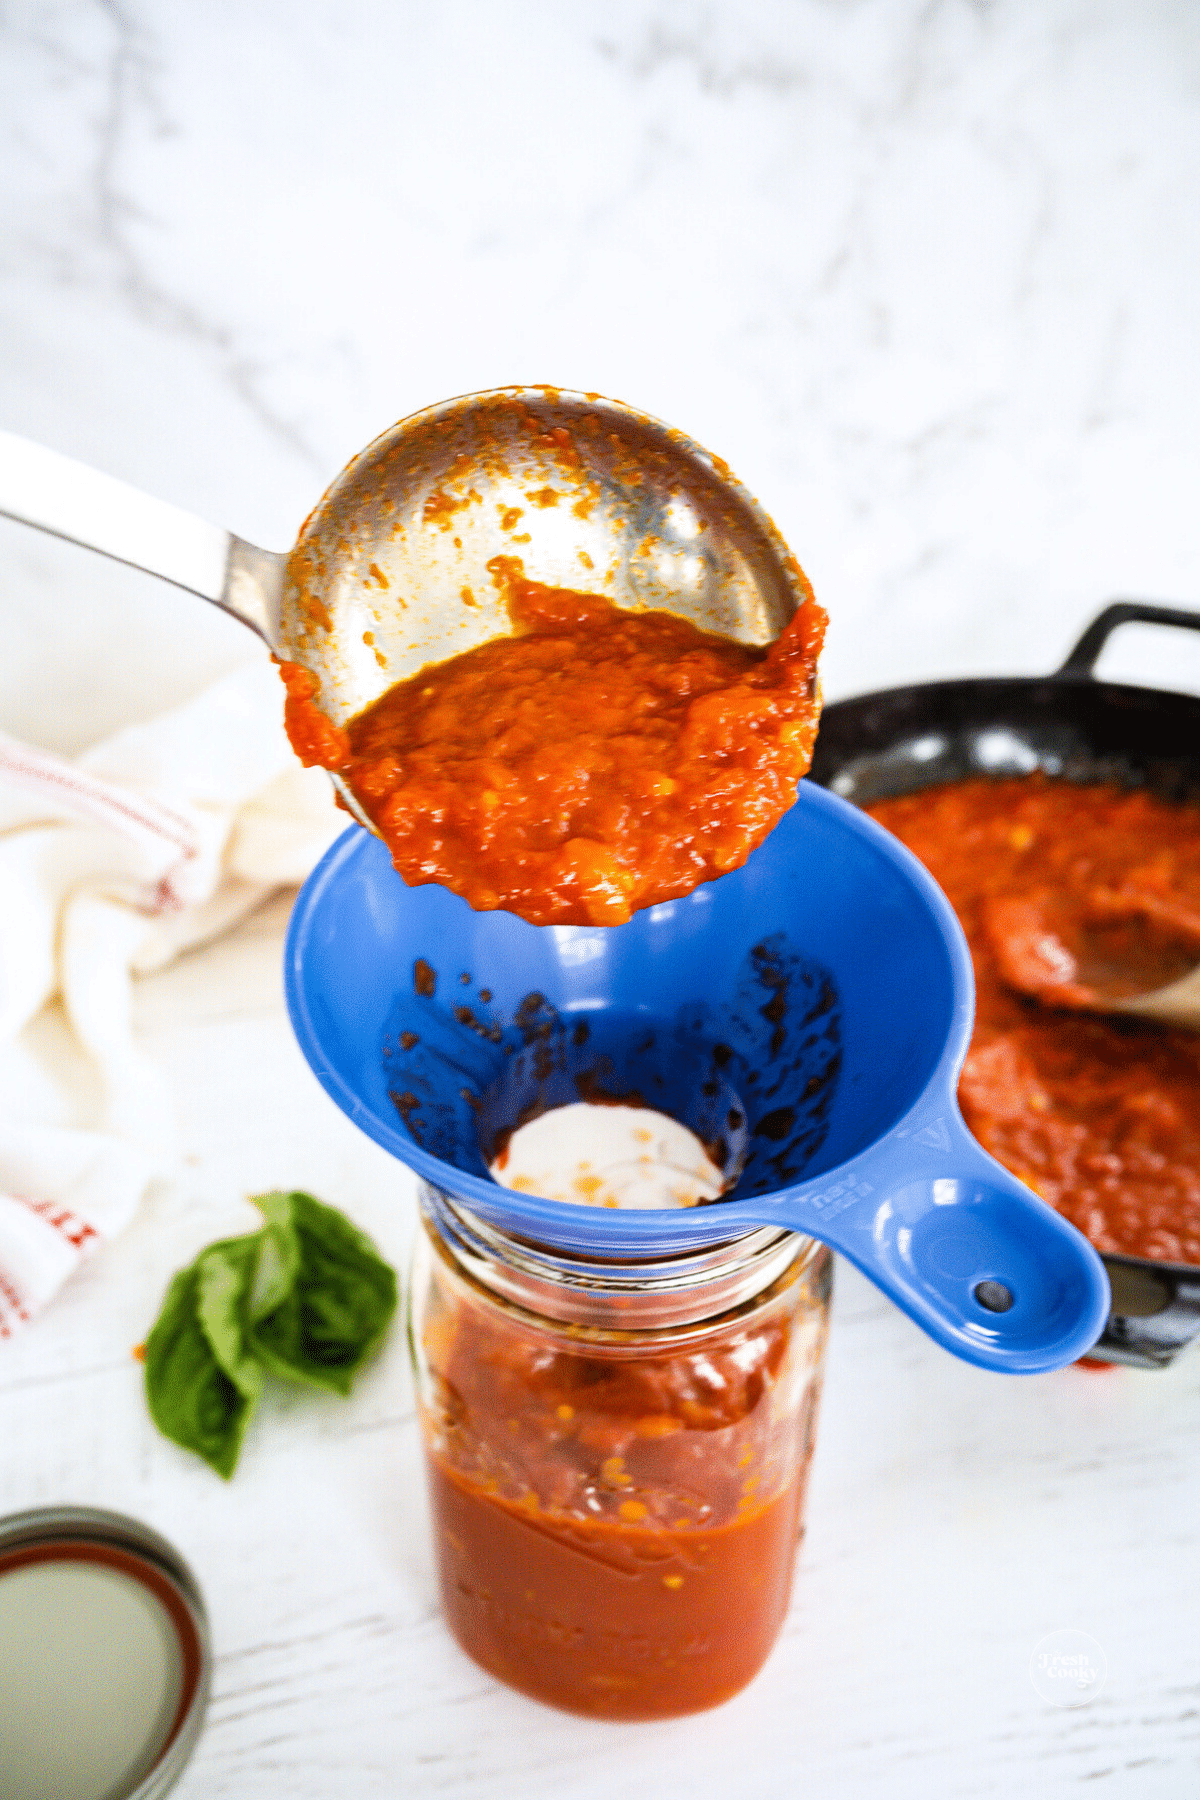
55	493
982	1264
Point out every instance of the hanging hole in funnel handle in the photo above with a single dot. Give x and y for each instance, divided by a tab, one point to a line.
984	1265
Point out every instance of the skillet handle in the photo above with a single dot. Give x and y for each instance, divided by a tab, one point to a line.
1155	1312
1081	661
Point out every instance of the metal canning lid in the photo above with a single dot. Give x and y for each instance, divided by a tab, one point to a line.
105	1661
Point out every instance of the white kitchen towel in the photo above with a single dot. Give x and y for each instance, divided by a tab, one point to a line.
149	844
69	1191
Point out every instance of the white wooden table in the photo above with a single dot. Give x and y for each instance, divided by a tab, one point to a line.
956	1518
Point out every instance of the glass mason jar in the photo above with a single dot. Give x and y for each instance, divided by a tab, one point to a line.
617	1456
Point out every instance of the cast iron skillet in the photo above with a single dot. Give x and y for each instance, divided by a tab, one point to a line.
1070	725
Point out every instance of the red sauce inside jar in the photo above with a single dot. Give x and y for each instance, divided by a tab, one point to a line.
1100	1115
616	1533
606	1619
597	762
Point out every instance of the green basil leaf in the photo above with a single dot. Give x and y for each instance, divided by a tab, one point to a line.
308	1298
276	1270
226	1276
340	1303
192	1399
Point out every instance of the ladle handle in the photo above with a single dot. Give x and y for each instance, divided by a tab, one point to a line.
983	1265
56	494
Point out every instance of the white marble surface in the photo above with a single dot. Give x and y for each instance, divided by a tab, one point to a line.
926	275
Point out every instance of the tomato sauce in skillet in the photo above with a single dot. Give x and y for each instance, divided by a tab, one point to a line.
1061	889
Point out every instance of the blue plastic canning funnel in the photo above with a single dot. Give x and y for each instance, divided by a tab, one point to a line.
806	1016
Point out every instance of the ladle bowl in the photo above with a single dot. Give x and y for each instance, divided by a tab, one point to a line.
806	1015
397	564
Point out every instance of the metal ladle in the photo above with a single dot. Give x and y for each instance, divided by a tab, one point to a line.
396	566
